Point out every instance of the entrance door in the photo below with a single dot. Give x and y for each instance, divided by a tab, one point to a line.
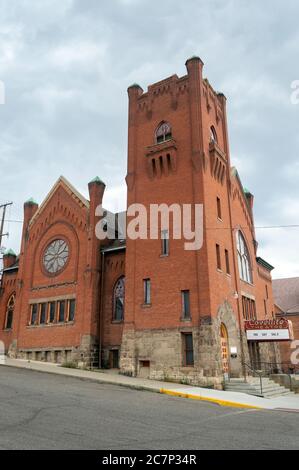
224	349
254	354
114	359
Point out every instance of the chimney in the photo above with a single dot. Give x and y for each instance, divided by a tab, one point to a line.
9	259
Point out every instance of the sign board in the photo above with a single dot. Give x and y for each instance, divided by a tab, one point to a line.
268	330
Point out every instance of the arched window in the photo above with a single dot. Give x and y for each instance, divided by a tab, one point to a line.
163	132
244	263
9	311
213	135
119	299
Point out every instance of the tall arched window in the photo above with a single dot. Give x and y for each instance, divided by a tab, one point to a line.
213	135
119	299
163	132
9	311
244	263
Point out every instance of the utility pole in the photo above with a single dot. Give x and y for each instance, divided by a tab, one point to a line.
4	207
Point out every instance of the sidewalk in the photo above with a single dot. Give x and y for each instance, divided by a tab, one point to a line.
233	399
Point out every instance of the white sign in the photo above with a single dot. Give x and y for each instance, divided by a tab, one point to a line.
268	335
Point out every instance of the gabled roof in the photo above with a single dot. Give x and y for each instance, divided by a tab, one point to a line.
62	181
286	294
244	191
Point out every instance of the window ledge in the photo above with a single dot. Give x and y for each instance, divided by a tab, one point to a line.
116	322
146	305
186	319
247	282
157	147
164	256
46	325
8	330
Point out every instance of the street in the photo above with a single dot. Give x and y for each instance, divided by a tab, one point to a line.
43	411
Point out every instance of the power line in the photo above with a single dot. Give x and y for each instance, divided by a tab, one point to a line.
4	207
217	228
256	227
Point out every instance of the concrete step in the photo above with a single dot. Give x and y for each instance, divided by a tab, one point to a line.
267	386
252	387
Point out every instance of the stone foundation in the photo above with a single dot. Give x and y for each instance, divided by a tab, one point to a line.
158	354
85	356
270	353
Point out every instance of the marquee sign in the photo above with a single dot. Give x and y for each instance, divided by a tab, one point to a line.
269	330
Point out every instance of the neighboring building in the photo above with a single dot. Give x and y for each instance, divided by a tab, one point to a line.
286	297
151	307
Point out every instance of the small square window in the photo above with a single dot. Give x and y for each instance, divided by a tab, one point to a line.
147	291
34	310
188	349
43	314
165	242
72	308
185	303
219	208
218	256
52	312
61	314
227	262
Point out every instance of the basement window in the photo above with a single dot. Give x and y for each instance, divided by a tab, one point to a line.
188	349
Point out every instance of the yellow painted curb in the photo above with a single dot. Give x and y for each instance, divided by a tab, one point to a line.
213	400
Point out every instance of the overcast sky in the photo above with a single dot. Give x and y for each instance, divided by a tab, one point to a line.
66	66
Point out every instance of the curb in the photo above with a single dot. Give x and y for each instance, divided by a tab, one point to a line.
87	379
132	386
231	404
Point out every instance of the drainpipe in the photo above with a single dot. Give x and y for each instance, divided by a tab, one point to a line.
101	308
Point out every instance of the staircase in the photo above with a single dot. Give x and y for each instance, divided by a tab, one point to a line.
270	389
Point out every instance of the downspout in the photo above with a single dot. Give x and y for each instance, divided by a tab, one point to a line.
236	284
101	308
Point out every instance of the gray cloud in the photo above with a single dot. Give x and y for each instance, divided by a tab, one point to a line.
66	65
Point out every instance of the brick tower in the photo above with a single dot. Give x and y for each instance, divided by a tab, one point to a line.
183	307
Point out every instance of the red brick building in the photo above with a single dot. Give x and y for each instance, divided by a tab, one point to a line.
286	297
149	305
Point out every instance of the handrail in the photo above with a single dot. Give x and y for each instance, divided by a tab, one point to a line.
286	368
255	372
277	367
264	369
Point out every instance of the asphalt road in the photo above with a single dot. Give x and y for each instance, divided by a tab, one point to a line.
43	411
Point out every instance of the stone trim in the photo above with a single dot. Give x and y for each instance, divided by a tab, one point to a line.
52	299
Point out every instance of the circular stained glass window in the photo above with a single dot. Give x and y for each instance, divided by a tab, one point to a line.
55	256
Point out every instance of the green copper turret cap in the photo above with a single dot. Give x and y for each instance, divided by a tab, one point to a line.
246	191
9	252
96	180
134	85
31	201
194	57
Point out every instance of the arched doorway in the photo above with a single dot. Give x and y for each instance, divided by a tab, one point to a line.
224	349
